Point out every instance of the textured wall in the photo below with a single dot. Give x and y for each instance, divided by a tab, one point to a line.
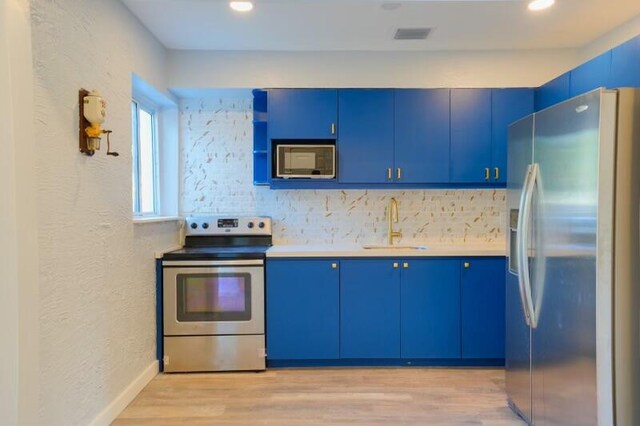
18	249
229	69
216	176
97	293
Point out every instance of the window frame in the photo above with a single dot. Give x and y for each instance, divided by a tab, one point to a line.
136	106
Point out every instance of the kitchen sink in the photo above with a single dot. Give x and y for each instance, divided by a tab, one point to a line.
398	247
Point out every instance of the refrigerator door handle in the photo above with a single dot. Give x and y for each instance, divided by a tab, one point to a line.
519	236
523	248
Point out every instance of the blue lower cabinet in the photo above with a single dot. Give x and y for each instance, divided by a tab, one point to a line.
483	307
303	309
430	308
369	309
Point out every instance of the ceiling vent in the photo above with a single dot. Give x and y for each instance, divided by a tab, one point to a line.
412	33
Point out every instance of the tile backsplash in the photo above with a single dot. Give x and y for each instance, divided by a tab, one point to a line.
216	177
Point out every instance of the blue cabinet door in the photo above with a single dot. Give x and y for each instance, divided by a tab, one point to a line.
483	307
302	309
507	106
303	113
625	64
369	309
430	308
591	75
422	135
470	135
554	91
365	145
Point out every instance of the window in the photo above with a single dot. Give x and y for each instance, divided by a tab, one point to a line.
145	161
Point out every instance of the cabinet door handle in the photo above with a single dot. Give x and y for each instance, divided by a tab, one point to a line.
334	266
467	265
496	173
405	265
333	128
399	174
395	265
389	177
487	173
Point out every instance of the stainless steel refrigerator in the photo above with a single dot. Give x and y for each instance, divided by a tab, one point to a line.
573	281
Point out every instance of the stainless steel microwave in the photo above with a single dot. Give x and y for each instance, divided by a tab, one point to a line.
306	161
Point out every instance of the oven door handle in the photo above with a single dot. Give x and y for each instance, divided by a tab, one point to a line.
200	263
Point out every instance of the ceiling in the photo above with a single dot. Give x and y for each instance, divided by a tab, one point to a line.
321	25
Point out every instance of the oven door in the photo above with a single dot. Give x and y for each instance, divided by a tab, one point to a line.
213	297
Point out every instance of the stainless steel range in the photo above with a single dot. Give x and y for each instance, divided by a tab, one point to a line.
213	295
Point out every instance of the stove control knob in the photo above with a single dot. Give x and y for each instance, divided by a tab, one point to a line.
250	225
194	225
261	225
205	225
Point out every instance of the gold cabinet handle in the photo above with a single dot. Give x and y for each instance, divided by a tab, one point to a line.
389	177
399	174
487	173
334	266
496	172
395	265
467	265
405	265
333	128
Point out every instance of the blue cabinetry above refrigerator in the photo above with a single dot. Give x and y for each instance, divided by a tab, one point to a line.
615	68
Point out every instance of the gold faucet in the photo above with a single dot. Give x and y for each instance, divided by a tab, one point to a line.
393	218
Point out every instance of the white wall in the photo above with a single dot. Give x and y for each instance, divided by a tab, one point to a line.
190	69
97	278
18	251
206	69
613	38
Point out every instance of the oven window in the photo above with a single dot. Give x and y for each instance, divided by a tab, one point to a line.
214	297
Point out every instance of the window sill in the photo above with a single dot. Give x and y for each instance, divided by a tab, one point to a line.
155	219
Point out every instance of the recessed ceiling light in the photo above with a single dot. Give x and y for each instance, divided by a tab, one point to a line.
241	6
540	4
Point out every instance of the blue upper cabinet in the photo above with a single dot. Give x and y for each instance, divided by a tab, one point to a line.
507	106
365	145
369	309
591	75
430	308
303	309
470	135
483	308
553	92
625	64
303	113
422	135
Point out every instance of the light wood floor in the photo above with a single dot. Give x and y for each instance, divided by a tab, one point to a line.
347	396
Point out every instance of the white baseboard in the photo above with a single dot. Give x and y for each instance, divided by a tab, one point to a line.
125	397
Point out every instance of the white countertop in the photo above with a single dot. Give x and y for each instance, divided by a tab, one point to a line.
353	250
